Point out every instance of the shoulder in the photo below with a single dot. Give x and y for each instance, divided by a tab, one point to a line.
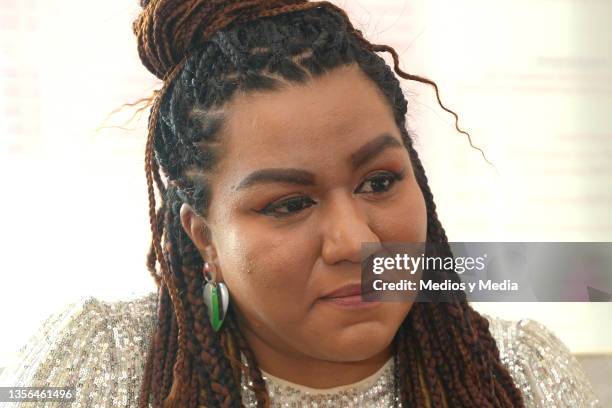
541	364
96	346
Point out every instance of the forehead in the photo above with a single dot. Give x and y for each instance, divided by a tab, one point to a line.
320	122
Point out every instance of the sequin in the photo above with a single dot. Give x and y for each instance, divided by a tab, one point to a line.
373	391
100	347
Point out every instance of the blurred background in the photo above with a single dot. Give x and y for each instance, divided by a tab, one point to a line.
530	80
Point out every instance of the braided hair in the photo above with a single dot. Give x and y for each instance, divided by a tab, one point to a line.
205	51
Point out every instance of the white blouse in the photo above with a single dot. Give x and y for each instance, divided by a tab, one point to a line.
100	348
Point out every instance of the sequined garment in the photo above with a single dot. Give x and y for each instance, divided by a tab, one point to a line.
100	348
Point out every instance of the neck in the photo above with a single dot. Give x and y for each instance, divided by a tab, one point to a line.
312	372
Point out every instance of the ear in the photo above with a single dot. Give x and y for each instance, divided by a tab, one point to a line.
197	229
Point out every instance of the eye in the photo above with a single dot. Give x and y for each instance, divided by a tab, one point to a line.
382	182
290	206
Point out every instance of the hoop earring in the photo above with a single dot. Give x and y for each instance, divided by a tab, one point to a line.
216	298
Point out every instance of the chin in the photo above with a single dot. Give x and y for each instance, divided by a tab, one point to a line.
357	342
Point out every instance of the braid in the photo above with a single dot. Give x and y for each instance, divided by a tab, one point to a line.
409	370
205	52
502	375
257	384
167	377
161	337
449	369
214	370
184	261
230	349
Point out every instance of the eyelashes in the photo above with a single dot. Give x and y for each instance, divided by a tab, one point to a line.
391	177
294	205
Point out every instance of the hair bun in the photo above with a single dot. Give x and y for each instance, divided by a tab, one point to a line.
160	39
167	30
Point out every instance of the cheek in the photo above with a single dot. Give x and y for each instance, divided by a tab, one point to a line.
263	272
405	219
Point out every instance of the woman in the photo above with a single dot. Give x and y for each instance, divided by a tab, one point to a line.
278	144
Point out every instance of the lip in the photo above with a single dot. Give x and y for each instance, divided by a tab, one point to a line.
352	289
348	296
350	302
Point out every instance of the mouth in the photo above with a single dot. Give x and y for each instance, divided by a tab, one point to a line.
353	289
348	296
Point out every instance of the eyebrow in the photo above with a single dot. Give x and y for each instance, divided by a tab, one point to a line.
363	155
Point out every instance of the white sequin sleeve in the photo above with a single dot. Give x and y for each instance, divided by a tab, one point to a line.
96	346
541	365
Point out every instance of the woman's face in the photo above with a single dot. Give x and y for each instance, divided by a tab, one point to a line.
304	180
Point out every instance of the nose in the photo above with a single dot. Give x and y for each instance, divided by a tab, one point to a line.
344	228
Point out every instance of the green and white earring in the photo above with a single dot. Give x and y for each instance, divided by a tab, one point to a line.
216	298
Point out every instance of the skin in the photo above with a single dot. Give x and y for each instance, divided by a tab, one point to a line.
277	268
